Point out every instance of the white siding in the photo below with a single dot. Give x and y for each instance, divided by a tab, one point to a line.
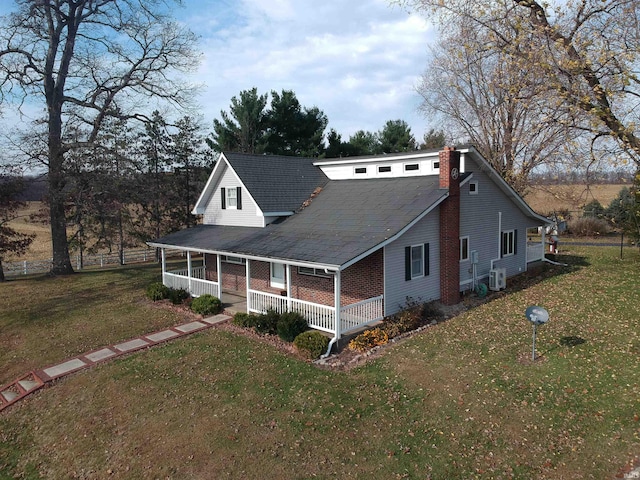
248	216
346	169
427	288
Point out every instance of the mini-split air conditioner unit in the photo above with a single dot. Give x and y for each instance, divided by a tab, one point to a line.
497	279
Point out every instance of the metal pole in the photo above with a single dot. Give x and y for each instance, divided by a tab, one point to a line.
533	351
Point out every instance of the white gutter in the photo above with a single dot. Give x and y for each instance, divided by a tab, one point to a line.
327	267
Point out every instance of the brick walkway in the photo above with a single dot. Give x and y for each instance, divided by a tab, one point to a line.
32	381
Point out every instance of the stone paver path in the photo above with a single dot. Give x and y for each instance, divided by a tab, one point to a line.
32	381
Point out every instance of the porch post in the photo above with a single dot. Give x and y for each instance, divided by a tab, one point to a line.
543	240
336	287
163	255
248	281
288	283
219	276
189	268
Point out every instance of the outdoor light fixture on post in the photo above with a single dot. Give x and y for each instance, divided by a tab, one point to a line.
537	316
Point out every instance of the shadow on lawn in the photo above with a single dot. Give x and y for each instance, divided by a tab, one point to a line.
542	271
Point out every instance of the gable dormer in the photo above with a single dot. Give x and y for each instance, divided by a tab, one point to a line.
255	190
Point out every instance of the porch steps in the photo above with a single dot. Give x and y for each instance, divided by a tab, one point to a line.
19	388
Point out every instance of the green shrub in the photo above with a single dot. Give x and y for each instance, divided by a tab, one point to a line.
157	291
267	323
244	320
290	325
206	305
311	344
178	295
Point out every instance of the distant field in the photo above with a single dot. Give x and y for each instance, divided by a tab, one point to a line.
40	249
548	198
543	199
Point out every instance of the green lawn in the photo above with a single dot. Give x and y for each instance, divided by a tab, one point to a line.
460	400
44	320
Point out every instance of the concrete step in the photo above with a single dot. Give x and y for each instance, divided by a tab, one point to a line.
9	395
28	384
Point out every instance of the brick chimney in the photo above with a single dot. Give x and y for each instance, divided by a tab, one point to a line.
450	227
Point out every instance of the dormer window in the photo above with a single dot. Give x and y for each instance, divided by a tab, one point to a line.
361	170
384	169
411	167
231	198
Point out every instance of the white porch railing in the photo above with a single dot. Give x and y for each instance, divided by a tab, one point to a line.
199	286
535	251
356	315
320	317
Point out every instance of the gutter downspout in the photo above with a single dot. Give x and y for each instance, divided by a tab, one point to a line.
499	234
336	287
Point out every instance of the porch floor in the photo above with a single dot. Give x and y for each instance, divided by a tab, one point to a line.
234	302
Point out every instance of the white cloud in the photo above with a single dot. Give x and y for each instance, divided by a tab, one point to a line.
358	62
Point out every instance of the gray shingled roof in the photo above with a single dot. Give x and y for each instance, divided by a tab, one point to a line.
283	185
347	219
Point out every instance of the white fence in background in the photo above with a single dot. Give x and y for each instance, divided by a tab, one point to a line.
28	267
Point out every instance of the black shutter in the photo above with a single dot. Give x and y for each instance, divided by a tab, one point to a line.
515	242
238	198
224	197
426	259
407	263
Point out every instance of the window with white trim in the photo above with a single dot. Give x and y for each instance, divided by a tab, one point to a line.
232	198
464	248
316	272
416	261
473	188
361	170
230	259
411	167
509	239
384	169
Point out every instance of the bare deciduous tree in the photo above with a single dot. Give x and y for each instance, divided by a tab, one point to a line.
481	96
85	60
586	52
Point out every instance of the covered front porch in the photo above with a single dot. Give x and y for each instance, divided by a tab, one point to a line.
199	278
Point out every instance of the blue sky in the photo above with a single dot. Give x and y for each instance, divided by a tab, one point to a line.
359	62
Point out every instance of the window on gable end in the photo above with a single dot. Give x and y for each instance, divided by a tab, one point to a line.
473	188
232	198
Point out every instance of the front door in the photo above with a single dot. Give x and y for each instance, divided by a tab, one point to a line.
277	275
